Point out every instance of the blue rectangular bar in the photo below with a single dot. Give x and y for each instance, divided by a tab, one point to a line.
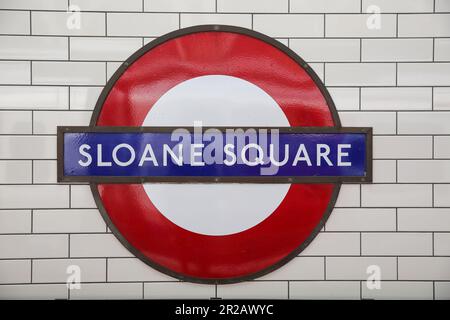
217	154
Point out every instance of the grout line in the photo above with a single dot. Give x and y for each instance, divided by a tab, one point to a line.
360	49
391	257
360	244
314	13
69	100
434	290
155	35
396	123
31	270
175	281
396	74
336	62
396	259
348	232
432	98
432	148
342	86
360	289
432	243
360	97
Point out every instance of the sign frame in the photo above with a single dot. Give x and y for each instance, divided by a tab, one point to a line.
61	130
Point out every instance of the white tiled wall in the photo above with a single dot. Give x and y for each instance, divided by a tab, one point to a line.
395	79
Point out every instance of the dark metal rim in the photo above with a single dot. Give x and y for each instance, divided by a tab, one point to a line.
214	28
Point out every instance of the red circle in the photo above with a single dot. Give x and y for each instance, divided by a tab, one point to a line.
183	253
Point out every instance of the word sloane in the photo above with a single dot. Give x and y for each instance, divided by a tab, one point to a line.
157	153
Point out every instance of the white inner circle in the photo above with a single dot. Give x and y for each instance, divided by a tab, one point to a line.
216	209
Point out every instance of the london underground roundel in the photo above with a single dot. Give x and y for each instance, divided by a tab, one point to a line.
209	223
